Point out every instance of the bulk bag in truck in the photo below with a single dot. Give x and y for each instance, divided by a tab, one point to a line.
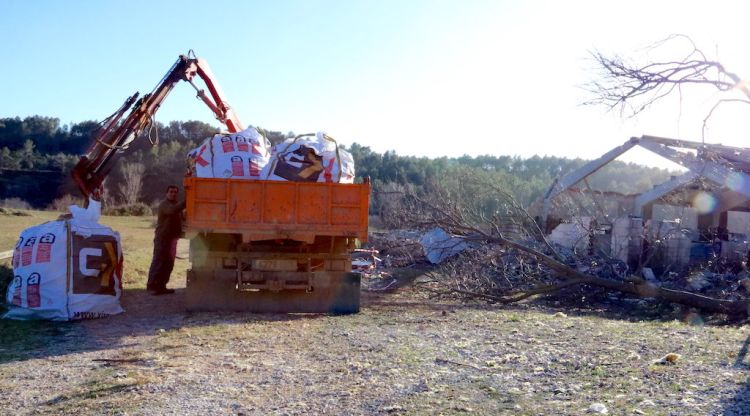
310	158
239	155
67	269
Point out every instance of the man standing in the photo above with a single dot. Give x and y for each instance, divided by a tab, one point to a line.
168	231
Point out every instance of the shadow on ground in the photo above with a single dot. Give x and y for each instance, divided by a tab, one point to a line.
145	314
739	404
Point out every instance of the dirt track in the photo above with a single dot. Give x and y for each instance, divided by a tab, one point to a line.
403	354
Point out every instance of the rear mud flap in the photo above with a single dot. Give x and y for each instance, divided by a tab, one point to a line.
336	293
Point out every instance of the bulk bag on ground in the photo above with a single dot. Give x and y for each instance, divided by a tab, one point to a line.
239	155
67	269
310	158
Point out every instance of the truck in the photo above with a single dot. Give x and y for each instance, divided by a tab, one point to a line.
261	246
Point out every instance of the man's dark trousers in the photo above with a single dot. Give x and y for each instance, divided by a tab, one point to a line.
162	263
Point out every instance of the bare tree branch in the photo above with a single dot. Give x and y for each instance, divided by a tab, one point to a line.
714	107
632	88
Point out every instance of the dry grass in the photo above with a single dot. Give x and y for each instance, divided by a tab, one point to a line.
136	233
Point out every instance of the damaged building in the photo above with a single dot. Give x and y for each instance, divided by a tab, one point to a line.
698	216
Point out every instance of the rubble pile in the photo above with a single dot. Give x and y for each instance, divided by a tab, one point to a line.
385	252
725	285
496	270
398	248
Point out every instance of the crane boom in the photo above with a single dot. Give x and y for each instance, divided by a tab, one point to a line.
116	133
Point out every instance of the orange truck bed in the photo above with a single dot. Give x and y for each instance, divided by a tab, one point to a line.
265	210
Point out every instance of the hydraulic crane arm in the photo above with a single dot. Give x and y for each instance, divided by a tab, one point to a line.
116	133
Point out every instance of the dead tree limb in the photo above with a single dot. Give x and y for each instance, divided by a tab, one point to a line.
439	215
632	87
634	286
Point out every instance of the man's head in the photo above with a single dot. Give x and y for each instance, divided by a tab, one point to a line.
172	191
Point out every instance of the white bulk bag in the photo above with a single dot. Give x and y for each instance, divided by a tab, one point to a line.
310	158
67	269
239	155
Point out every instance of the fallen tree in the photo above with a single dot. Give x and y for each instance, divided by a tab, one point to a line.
549	271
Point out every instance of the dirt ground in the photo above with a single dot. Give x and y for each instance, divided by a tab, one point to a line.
403	354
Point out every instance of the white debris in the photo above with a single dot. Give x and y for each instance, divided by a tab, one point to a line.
599	408
438	245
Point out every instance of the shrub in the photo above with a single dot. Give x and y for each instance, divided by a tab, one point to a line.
61	204
137	210
14	203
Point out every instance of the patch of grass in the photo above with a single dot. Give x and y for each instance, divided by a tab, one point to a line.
514	318
106	389
103	384
23	339
410	356
6	276
599	371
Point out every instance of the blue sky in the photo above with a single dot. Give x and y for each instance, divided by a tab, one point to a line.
420	77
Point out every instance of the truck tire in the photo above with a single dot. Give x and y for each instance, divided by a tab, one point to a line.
347	300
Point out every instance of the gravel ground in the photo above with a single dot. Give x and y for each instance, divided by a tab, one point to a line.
403	354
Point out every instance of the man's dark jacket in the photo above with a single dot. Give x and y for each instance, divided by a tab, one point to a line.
169	220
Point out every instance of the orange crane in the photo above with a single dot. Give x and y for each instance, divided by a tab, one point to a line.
255	245
115	134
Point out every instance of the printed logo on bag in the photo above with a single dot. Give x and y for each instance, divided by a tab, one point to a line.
44	250
17	283
16	261
254	167
237	169
242	145
301	165
33	297
199	158
94	263
328	169
226	144
28	248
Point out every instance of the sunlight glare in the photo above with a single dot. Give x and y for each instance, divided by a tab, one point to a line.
704	202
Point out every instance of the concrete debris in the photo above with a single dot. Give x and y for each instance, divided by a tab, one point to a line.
598	408
438	245
700	280
649	275
365	260
573	236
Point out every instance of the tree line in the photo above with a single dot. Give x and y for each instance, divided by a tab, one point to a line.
39	143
